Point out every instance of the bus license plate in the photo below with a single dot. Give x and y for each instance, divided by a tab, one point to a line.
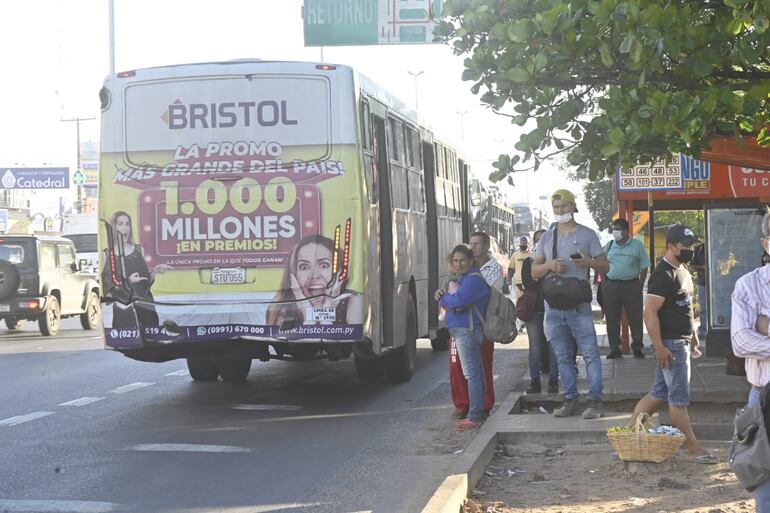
228	275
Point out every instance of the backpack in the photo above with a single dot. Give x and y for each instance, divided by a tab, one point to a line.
500	320
525	305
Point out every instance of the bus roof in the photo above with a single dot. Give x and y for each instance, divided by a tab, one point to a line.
251	64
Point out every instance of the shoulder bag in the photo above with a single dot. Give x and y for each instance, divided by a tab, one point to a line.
750	458
564	292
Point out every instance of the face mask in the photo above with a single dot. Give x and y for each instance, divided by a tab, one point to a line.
685	255
617	235
523	247
564	218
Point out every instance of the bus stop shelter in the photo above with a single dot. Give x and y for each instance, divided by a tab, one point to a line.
732	186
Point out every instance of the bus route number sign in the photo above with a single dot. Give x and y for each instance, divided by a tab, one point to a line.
651	177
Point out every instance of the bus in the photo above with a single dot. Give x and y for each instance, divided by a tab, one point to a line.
494	217
257	210
524	224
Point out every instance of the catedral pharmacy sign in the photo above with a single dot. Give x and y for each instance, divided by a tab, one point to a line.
711	180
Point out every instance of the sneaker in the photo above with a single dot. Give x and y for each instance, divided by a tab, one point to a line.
534	387
638	353
568	408
594	410
615	353
467	425
459	414
553	386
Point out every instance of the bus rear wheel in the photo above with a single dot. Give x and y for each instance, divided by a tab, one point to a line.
399	365
202	370
234	371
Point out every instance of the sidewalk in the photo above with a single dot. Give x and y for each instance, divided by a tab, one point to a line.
625	380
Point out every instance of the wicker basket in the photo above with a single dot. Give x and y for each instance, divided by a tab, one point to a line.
639	445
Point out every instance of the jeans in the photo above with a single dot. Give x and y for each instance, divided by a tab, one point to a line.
537	345
672	385
560	327
468	344
703	312
762	492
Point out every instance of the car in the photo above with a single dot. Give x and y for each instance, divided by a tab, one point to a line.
41	280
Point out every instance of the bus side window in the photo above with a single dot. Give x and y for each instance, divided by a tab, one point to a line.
370	153
416	149
449	184
408	150
393	146
399	186
438	151
416	199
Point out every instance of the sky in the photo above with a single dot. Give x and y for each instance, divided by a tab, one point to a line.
56	55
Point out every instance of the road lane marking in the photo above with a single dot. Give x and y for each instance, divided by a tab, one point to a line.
82	401
188	448
495	376
267	407
21	419
55	506
131	387
183	372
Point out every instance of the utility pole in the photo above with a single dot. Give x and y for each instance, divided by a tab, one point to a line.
80	187
416	75
111	30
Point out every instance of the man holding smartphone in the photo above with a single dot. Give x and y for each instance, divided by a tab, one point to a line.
577	250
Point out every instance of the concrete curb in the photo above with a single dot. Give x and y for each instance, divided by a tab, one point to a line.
466	472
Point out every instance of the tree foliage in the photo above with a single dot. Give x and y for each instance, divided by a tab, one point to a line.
598	196
610	82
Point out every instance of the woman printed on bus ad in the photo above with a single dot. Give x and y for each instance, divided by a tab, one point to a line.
312	290
138	276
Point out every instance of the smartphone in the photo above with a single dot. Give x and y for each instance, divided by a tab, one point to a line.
576	256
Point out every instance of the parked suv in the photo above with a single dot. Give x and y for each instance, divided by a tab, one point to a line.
41	280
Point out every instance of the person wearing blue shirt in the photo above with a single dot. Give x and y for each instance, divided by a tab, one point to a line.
466	303
622	288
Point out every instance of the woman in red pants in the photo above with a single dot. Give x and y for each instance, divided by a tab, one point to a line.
493	274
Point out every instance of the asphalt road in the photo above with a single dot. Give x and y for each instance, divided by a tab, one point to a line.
88	430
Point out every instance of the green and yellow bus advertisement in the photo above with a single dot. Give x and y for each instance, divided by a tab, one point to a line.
230	206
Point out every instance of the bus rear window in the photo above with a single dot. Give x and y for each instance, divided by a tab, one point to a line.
259	122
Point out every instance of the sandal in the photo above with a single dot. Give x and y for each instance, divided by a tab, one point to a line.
467	425
705	459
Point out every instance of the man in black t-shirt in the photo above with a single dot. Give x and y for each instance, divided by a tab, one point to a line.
668	316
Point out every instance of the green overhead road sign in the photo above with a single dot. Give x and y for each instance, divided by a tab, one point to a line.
78	178
369	22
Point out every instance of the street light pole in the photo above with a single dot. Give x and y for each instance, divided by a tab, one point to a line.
462	124
111	30
415	74
80	187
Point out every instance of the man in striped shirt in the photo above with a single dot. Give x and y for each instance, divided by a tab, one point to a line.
750	340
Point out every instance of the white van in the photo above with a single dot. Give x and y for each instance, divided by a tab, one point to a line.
81	229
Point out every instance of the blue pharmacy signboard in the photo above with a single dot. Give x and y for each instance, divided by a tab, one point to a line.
34	178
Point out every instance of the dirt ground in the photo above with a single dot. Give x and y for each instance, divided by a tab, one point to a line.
591	478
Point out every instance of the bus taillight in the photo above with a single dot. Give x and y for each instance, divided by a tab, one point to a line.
114	269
